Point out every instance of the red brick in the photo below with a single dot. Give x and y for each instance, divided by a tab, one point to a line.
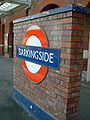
51	93
72	45
80	15
68	50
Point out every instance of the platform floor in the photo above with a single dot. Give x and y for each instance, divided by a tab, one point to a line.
10	110
84	103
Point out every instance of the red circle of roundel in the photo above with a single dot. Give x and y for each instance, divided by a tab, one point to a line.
35	30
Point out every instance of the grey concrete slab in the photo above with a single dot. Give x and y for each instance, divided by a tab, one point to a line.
9	109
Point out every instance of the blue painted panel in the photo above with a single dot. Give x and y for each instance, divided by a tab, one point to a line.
78	8
46	13
30	107
44	56
71	7
88	11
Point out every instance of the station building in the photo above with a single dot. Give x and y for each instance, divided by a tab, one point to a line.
74	15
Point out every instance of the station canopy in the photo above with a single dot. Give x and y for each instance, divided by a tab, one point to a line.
7	6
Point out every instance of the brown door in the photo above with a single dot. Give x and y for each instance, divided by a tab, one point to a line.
11	40
2	38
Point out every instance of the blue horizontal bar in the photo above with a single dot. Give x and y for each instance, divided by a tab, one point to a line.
30	106
67	8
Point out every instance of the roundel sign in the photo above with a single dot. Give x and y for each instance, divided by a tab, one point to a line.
34	36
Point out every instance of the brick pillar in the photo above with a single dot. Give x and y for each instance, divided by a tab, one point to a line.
58	93
71	66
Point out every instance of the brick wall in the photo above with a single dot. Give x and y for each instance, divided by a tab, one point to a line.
12	16
85	48
6	21
86	40
38	5
58	93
